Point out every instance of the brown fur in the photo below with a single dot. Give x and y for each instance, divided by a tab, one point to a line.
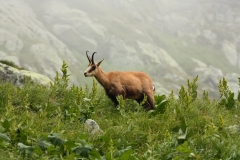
131	85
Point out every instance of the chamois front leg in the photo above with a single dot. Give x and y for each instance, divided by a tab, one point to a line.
113	99
114	92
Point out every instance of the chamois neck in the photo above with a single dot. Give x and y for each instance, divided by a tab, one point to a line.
101	77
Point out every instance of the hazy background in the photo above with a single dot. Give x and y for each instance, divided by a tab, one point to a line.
171	40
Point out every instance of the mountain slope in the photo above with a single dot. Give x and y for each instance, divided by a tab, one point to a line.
170	40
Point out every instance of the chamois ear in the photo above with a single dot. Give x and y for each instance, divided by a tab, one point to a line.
98	64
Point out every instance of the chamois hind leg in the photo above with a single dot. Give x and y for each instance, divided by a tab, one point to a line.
149	105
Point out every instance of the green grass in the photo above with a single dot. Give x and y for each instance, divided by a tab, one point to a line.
39	122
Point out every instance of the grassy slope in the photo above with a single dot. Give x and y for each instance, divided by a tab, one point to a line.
188	129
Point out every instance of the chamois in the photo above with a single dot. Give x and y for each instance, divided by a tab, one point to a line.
131	85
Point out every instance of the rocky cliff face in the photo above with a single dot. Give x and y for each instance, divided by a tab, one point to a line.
170	40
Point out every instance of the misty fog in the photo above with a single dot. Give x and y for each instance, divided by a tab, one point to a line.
172	40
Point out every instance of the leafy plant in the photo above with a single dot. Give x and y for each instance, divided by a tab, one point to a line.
226	95
192	88
188	96
161	104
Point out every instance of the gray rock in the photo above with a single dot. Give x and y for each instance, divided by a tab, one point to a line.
208	74
160	89
51	60
233	82
11	42
173	77
159	55
208	34
59	29
199	63
192	32
121	53
230	51
11	58
16	77
92	126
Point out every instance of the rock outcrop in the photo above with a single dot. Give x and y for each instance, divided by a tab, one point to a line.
16	77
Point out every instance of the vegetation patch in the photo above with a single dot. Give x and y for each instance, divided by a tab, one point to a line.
38	122
12	64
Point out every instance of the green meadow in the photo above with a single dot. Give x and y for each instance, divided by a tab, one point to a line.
48	122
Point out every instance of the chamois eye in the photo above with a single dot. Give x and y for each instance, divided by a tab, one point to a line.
92	69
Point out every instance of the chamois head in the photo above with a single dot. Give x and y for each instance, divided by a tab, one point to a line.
92	67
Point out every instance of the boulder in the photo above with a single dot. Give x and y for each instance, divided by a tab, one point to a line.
230	51
16	77
92	126
208	74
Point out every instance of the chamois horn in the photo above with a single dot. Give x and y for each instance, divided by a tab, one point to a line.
93	57
88	57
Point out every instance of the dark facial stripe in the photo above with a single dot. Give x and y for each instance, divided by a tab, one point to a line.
92	69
